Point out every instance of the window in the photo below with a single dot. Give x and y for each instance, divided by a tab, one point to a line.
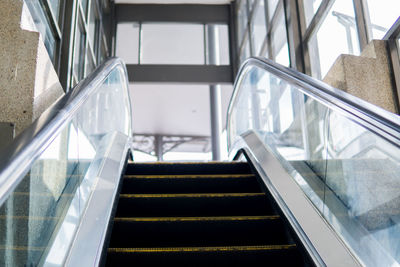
337	35
172	43
258	27
382	15
280	51
310	8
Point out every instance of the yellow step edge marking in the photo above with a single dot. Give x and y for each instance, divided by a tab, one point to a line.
191	195
186	162
200	249
190	219
191	176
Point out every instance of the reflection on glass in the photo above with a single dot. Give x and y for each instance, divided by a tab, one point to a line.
84	4
348	172
245	52
55	7
93	26
30	215
39	219
325	46
241	20
383	15
89	64
43	26
310	8
272	4
103	53
280	49
79	51
362	177
172	43
259	28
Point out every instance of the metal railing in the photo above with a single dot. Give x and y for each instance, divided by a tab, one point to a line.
49	173
319	135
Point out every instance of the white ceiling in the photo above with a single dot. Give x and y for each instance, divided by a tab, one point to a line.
174	109
206	2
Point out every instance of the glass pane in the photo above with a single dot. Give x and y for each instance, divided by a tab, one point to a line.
84	4
89	64
325	47
79	51
224	55
280	49
347	171
245	52
241	21
43	26
39	220
259	28
251	3
93	26
103	53
170	43
272	4
31	214
55	7
382	14
310	8
127	44
361	207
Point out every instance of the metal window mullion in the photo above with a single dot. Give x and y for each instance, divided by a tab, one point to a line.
52	19
67	47
264	45
205	43
363	22
233	45
91	52
274	19
243	44
248	25
317	20
294	35
140	43
394	31
273	28
256	6
395	64
312	28
82	12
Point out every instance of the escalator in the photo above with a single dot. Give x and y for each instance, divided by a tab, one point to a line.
313	180
199	214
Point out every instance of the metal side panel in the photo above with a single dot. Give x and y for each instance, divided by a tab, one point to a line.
320	240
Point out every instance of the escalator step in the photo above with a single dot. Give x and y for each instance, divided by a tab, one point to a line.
197	231
185	168
273	255
200	183
211	204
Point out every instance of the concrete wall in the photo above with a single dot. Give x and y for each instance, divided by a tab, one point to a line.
28	81
367	76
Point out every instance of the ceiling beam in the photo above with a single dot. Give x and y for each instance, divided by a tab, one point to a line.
207	74
173	13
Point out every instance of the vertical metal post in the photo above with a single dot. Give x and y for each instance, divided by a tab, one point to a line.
215	93
158	147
